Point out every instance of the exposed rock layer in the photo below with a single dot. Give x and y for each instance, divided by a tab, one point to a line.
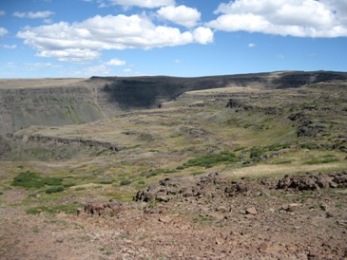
59	102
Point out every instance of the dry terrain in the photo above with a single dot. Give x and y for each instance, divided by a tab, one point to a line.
240	172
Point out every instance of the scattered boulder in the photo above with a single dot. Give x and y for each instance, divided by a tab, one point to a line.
99	208
311	181
222	209
291	207
165	219
251	211
237	187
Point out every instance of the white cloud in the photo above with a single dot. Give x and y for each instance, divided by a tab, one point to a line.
251	45
203	35
3	31
181	15
10	47
33	15
116	62
2	12
85	40
143	3
70	54
301	18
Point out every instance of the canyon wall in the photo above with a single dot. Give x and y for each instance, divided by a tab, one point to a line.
73	101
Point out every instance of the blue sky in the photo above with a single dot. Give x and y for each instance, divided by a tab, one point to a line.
82	38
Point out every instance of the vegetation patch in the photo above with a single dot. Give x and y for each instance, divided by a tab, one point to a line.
66	208
32	180
106	182
210	160
259	151
55	189
125	182
155	172
328	158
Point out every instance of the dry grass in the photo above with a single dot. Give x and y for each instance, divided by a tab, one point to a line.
39	83
277	171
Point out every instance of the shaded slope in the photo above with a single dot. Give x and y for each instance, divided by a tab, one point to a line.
72	101
149	92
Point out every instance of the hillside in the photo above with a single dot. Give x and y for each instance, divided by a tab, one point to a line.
74	101
246	166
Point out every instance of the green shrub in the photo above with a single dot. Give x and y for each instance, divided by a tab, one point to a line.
31	180
106	182
125	182
208	161
55	189
28	179
37	210
257	151
52	181
69	184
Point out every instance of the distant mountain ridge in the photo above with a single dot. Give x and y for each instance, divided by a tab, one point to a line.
63	101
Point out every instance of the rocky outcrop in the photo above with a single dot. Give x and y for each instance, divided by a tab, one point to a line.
67	141
311	181
213	185
20	108
169	188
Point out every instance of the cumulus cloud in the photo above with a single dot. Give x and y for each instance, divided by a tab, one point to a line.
33	15
143	3
181	15
116	62
203	35
85	40
3	31
300	18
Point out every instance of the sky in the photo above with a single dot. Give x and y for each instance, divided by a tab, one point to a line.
187	38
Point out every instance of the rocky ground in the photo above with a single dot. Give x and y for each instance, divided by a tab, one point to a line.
206	217
201	175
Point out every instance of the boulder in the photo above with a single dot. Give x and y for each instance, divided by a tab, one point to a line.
251	211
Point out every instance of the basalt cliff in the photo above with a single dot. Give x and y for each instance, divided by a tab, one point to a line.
73	101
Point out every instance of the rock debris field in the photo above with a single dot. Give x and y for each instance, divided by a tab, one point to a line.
205	217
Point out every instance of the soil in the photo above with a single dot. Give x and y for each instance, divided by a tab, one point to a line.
208	217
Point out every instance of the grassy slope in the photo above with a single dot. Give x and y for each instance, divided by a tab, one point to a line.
160	142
